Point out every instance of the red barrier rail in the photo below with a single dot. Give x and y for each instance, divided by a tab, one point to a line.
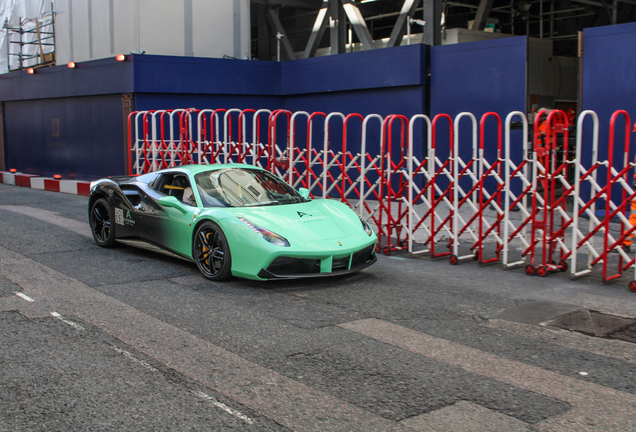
492	170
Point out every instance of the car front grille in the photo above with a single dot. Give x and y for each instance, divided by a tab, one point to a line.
363	256
287	266
340	264
291	267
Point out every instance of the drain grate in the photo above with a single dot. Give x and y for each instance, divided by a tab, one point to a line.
598	324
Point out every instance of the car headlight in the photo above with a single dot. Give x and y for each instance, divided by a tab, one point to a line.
365	226
271	237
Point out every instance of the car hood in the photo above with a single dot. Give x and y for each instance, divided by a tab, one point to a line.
313	220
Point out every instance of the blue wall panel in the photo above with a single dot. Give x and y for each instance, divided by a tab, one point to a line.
384	68
479	77
609	84
80	138
400	100
194	75
97	77
609	69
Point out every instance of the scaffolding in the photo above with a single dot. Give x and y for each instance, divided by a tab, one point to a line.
31	44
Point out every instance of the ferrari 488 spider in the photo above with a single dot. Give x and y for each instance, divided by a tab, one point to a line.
232	219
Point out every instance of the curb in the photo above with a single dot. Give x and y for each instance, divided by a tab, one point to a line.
73	187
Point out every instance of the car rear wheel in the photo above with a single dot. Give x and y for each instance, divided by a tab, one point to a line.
211	252
102	223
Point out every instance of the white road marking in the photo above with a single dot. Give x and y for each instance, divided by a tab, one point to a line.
224	407
133	358
24	296
71	323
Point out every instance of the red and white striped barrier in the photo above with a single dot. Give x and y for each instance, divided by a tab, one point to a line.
466	195
74	187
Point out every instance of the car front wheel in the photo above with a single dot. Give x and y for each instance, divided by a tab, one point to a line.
211	252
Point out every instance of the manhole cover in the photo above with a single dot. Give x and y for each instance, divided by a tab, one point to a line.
598	324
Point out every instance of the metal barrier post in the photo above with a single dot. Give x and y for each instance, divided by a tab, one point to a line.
457	189
520	202
442	169
426	193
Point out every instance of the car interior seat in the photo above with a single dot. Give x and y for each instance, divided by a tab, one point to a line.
179	183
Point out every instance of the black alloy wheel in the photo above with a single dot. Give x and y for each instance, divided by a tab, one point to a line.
211	252
102	223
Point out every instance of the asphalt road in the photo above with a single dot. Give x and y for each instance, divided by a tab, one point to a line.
127	339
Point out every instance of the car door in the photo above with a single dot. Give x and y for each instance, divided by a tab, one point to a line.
164	226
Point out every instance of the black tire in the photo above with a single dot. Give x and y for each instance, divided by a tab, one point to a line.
216	266
102	221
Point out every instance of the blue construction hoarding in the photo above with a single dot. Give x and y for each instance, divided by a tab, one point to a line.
72	121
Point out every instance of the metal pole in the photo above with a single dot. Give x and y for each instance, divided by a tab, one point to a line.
541	19
8	51
408	31
432	34
512	17
53	12
551	19
279	36
20	52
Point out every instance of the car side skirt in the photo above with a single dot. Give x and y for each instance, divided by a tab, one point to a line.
143	244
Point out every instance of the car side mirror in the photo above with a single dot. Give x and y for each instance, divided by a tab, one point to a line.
170	201
304	193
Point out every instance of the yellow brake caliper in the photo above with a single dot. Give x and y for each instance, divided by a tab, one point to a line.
204	249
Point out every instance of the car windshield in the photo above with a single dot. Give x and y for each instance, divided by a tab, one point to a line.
243	187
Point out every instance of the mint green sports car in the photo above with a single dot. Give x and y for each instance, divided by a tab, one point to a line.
231	219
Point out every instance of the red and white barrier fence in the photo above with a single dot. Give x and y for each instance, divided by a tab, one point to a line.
74	187
426	185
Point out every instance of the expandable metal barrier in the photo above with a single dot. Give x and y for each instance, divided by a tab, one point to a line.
527	203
